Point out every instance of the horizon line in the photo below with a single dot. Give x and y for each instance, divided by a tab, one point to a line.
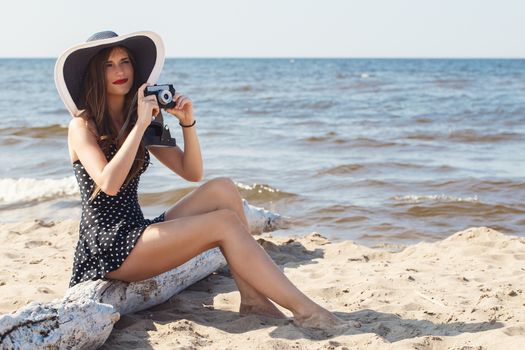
308	57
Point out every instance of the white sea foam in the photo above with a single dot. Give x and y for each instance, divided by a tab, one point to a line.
434	198
28	189
256	187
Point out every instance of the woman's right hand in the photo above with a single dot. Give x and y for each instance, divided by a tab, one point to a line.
147	107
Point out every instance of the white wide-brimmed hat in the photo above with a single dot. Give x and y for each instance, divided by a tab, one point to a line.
70	68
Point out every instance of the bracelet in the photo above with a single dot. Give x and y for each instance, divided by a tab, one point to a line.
188	126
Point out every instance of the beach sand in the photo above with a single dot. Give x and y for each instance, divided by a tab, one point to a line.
464	292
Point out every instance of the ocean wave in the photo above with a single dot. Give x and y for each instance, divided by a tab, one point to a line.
372	143
382	167
254	192
342	208
365	84
342	169
327	137
472	136
55	111
491	185
471	209
25	190
39	132
421	136
318	105
373	183
262	192
7	141
452	83
243	88
423	120
352	219
477	185
434	198
465	136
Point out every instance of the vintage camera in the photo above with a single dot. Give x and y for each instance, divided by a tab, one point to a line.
157	134
164	93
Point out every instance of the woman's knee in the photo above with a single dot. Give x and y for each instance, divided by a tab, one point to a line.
223	186
230	224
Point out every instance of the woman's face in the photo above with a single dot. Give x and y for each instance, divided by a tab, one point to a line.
118	72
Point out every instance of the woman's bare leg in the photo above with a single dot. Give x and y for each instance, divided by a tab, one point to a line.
221	193
216	194
169	244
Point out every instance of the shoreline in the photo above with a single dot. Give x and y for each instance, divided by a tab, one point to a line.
464	290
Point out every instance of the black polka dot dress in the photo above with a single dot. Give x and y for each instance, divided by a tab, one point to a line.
109	225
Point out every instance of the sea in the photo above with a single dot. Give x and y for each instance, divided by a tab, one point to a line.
371	150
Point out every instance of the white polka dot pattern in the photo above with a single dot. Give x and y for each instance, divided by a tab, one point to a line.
109	225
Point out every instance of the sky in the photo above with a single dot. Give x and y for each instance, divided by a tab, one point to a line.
272	28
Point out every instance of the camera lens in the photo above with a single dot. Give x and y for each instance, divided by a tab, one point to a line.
165	97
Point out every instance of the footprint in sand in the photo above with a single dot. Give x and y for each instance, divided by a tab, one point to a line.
34	244
44	224
44	290
512	331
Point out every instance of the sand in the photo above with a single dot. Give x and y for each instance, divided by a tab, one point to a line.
464	292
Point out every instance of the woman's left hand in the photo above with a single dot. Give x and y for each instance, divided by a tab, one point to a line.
183	109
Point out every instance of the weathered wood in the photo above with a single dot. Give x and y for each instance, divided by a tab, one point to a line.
261	220
84	318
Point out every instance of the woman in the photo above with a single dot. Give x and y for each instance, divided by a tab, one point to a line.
102	83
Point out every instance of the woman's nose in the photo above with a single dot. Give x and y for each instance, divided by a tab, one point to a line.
119	70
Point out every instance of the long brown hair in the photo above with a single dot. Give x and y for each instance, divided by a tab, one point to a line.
95	107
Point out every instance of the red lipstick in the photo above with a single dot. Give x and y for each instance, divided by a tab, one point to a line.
121	81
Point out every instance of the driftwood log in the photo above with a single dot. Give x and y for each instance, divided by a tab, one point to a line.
84	318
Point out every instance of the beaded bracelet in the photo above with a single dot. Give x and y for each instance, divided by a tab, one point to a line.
188	126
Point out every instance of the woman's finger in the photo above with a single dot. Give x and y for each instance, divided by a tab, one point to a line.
154	107
184	102
141	89
179	97
148	99
180	101
155	111
152	102
140	93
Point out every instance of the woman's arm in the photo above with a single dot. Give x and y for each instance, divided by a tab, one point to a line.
108	175
187	164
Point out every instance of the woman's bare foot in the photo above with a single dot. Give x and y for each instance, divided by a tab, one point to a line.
320	318
262	307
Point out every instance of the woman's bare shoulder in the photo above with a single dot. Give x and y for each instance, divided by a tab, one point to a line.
85	123
81	132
